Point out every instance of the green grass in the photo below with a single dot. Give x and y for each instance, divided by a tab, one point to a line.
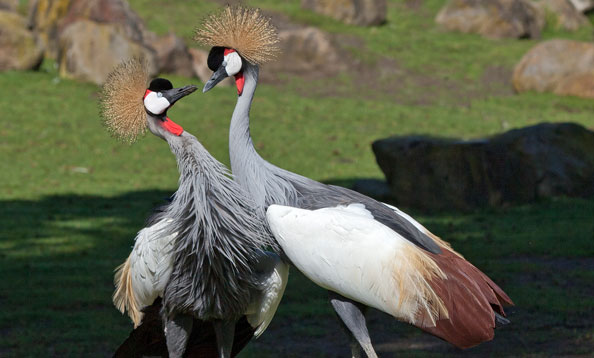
72	198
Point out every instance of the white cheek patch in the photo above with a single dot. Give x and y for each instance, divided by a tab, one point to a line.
156	104
233	62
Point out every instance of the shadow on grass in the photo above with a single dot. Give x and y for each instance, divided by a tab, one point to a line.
57	256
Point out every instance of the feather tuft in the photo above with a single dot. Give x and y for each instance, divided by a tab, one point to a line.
245	30
123	297
121	105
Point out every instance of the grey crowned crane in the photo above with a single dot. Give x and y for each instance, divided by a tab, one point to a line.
366	253
202	252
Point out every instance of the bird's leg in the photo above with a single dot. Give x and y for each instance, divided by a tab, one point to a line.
177	332
224	331
352	319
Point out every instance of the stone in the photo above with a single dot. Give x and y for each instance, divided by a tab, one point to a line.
44	20
493	18
48	18
173	55
107	11
19	50
565	14
354	12
377	189
201	69
89	51
563	67
518	166
306	51
583	5
9	5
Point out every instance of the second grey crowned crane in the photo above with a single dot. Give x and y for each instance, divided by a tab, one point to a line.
202	252
366	253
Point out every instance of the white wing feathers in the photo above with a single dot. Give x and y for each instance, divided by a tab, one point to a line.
143	276
343	249
272	276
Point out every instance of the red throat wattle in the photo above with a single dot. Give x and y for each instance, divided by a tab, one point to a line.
239	82
172	127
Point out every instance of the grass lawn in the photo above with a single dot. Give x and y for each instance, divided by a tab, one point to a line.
72	198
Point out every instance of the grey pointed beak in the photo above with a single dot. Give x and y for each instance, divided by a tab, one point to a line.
216	77
175	94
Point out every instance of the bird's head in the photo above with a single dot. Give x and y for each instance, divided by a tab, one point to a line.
158	98
225	62
239	37
128	107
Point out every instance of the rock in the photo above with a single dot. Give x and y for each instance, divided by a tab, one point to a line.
306	51
354	12
173	55
9	5
518	166
567	17
44	19
107	11
493	18
583	5
48	18
19	49
89	51
563	67
377	189
201	69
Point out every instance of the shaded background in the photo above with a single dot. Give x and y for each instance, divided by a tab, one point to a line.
72	198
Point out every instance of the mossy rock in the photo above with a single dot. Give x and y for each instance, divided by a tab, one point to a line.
19	49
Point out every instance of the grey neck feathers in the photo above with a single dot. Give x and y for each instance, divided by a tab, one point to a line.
219	235
266	183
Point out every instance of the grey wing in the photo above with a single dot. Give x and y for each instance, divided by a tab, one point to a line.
317	196
272	276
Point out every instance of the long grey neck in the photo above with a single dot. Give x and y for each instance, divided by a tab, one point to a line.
265	183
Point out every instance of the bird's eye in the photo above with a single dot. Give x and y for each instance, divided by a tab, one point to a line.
159	94
224	64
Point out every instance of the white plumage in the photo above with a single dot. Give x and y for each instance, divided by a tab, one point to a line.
151	262
273	275
345	250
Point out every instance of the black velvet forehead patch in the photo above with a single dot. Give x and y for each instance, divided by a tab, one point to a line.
160	84
215	57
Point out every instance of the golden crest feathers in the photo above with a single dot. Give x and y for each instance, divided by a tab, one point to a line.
245	30
121	104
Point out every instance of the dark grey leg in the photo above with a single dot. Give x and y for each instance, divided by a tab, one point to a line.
177	332
352	319
224	331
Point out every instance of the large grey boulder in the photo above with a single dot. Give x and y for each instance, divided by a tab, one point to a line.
89	51
493	18
518	166
563	67
19	50
354	12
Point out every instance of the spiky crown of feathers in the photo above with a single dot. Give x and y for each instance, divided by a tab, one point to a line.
245	30
121	104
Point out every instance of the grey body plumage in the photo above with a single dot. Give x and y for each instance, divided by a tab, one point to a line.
219	237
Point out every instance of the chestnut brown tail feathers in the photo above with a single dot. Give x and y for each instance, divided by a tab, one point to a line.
472	299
